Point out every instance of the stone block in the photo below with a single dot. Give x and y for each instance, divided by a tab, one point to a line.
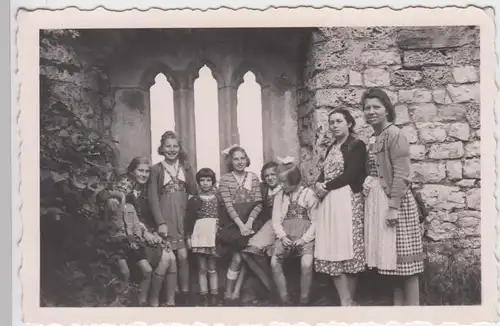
464	93
414	96
323	58
473	115
432	132
433	77
474	199
466	183
446	151
459	130
442	197
419	58
469	223
454	169
425	172
451	112
375	43
374	32
423	112
377	77
473	149
321	120
402	116
464	56
440	96
355	78
411	133
406	78
380	57
439	231
437	37
465	74
329	78
472	168
417	152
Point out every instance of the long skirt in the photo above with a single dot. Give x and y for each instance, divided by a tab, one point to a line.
409	247
353	265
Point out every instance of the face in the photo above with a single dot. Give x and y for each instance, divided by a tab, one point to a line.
206	184
141	173
270	177
287	187
375	112
339	125
239	161
124	186
171	149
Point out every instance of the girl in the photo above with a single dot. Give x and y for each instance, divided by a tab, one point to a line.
260	246
339	245
294	224
170	184
201	228
389	166
240	192
137	245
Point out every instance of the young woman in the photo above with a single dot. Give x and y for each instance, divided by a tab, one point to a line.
294	224
202	219
389	163
339	250
139	171
240	192
170	184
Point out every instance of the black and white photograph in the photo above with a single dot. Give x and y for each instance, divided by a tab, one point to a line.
238	167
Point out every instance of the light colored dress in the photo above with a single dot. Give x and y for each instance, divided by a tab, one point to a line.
339	247
205	227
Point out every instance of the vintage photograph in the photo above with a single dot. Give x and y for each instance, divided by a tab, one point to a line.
310	166
250	166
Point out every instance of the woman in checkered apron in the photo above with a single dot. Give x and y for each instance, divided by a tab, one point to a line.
389	162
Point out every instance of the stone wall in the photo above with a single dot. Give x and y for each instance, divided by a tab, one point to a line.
432	77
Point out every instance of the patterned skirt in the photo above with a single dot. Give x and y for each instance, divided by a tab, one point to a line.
409	247
357	263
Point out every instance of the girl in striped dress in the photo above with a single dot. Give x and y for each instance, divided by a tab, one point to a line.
240	192
390	157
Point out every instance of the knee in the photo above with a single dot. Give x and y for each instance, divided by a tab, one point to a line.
306	262
146	271
170	256
236	259
202	269
182	256
275	262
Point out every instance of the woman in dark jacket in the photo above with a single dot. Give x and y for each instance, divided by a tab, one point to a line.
339	247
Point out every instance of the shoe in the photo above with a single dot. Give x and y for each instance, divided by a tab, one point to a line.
214	300
204	300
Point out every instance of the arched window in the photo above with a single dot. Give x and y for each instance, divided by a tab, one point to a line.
162	113
249	114
207	121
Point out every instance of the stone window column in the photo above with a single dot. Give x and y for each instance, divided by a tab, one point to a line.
183	86
228	122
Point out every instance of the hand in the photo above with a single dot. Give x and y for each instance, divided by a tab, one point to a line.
392	217
245	231
134	246
299	243
157	239
320	190
162	230
149	237
249	223
189	243
286	241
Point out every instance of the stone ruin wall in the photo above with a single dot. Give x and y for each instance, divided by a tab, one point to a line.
432	77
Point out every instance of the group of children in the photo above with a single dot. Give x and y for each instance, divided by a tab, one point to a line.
258	224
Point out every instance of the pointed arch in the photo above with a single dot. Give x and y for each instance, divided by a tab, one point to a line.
206	106
162	112
249	116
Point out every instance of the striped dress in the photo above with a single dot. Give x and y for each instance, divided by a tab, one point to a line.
243	200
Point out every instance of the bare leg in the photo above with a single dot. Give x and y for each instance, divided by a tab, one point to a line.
146	271
239	282
170	282
158	279
306	276
279	279
411	290
232	275
254	264
342	287
182	260
213	278
398	291
124	273
352	282
202	278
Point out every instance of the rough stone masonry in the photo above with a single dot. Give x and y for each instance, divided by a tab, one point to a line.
432	77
